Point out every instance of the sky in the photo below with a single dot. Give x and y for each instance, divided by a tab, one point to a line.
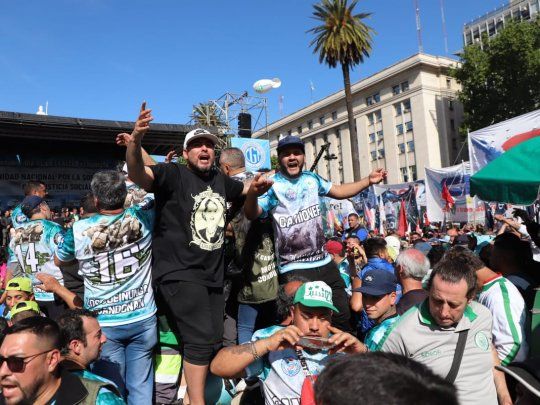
101	58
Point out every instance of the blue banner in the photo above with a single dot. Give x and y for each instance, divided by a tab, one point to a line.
256	152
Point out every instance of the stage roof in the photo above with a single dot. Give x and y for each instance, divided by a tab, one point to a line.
19	126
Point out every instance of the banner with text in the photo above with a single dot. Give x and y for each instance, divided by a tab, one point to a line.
256	152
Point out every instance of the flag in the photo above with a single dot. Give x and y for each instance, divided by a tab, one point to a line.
382	215
447	197
402	223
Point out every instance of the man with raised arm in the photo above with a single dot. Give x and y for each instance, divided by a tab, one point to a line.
188	242
293	199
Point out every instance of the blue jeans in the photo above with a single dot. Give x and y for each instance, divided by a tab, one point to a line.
251	316
127	359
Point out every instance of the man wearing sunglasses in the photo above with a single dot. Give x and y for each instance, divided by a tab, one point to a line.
30	371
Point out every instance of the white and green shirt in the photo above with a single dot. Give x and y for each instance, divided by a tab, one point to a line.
281	372
509	313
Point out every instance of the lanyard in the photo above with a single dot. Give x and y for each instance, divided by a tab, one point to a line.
304	365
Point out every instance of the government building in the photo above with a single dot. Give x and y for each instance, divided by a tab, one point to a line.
407	118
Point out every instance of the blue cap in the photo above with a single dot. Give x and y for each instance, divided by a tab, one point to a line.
423	247
30	203
290	141
377	282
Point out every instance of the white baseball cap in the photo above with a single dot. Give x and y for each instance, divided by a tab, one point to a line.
199	133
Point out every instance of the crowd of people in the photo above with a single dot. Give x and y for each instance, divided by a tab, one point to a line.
204	283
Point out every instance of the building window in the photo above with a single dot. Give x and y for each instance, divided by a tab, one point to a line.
380	135
397	107
372	137
321	120
448	83
406	106
299	129
452	124
412	170
381	153
410	146
454	143
396	90
404	174
310	124
338	134
401	148
451	105
373	99
373	155
334	115
399	129
378	116
289	132
371	118
405	86
408	126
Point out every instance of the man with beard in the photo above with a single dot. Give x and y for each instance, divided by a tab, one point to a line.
293	199
188	265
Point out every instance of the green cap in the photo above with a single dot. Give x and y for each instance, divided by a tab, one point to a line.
20	284
315	294
24	306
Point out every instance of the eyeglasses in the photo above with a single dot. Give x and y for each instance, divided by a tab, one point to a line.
18	364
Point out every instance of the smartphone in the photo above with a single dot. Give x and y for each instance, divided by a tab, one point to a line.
316	343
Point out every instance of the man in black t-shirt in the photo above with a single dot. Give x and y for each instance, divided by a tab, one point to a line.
188	243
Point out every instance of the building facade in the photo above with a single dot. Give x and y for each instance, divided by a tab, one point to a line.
407	117
493	22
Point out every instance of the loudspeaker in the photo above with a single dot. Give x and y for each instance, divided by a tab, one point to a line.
244	125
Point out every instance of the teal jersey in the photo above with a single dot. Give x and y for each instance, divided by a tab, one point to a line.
343	268
378	334
32	248
115	260
17	217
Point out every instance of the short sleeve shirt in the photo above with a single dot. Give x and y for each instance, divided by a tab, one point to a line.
32	247
190	223
298	212
281	372
115	260
17	217
418	337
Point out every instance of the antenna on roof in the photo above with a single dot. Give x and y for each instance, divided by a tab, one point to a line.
443	19
418	27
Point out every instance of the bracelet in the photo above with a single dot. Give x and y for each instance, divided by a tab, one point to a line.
254	351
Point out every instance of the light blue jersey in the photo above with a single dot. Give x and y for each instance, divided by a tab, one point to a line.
281	372
115	260
378	334
17	217
32	248
298	213
343	268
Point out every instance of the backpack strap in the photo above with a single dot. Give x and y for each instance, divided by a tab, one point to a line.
93	387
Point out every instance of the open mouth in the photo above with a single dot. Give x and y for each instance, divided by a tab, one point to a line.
9	389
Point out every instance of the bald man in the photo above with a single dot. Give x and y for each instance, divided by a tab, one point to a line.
411	267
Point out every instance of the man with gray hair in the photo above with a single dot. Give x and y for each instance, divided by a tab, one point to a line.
411	267
114	252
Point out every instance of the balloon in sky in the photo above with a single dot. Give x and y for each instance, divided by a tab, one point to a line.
265	85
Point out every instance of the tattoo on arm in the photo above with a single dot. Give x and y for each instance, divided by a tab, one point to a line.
240	349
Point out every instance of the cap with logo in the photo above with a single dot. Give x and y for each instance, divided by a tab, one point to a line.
197	134
377	282
30	203
20	284
315	294
290	140
24	306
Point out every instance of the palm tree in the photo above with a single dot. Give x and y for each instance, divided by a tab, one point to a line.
342	38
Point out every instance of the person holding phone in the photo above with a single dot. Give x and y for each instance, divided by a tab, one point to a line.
289	355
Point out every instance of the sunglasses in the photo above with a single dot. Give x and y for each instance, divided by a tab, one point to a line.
18	364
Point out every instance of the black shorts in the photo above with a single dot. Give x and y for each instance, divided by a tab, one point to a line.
196	312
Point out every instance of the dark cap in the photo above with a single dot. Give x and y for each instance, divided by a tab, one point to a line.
30	203
290	141
377	282
462	240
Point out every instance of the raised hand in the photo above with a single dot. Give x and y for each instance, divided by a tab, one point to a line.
284	339
123	139
172	155
142	124
260	185
48	283
377	175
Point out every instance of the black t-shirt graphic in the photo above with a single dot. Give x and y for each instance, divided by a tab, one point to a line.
190	223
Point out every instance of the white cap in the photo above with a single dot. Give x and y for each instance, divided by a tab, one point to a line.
199	133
